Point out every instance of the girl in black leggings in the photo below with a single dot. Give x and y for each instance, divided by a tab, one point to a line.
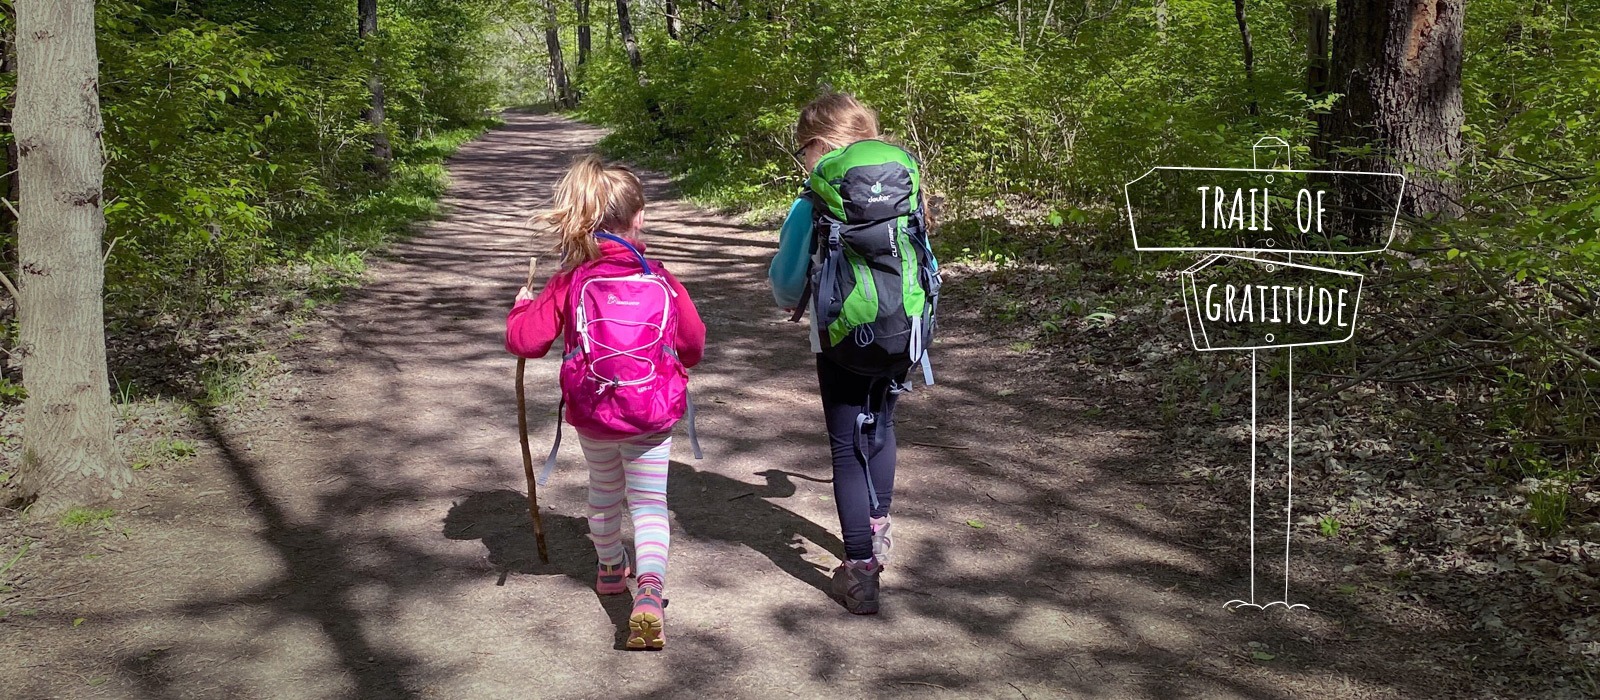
851	403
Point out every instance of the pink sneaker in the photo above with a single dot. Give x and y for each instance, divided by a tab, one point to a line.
645	624
613	580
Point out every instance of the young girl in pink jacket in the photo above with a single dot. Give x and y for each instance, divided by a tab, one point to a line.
592	200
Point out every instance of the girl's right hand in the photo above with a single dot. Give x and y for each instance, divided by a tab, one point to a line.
524	294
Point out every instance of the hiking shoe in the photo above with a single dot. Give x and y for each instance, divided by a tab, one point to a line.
644	625
612	580
881	541
855	583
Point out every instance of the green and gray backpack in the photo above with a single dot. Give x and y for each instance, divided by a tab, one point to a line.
875	281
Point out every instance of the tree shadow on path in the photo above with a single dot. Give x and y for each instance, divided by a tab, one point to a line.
712	506
316	583
500	519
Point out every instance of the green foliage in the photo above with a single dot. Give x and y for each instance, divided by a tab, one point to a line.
1030	116
1064	110
1328	525
236	142
11	393
238	155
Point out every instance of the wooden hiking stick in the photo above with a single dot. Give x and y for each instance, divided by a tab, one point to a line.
522	426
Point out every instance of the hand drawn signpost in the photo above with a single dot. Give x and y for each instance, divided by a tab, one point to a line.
1247	293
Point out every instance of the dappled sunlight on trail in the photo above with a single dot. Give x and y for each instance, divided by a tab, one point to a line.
378	544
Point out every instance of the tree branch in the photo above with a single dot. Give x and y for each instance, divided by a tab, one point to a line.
1385	362
10	287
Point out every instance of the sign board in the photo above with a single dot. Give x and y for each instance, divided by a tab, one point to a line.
1261	210
1240	303
1245	301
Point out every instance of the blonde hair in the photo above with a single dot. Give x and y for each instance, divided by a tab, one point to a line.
592	196
837	119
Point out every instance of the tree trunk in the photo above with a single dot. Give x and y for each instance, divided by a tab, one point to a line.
1317	26
552	43
582	6
625	27
368	31
67	453
1249	55
672	19
1398	65
1161	18
8	183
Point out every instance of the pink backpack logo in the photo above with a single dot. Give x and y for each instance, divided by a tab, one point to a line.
621	376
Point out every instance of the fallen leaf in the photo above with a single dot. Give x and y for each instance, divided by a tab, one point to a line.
976	523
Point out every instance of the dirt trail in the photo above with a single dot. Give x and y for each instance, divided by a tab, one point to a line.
365	536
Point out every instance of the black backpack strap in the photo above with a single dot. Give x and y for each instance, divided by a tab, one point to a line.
805	294
805	299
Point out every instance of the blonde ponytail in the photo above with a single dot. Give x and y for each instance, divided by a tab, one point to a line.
591	197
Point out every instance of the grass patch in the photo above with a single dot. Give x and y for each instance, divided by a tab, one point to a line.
1549	507
164	451
79	518
222	384
6	587
175	449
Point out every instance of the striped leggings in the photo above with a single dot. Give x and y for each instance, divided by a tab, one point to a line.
635	469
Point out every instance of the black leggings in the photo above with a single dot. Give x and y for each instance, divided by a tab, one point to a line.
845	397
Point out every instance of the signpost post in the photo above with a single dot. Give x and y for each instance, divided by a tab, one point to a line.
1247	293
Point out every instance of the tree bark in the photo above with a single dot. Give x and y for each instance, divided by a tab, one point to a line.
625	27
1249	54
367	32
552	43
582	6
1161	18
1398	65
672	19
1317	26
68	457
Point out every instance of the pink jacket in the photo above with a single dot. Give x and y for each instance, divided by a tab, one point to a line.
534	324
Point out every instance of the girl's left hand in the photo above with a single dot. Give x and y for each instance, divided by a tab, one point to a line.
524	294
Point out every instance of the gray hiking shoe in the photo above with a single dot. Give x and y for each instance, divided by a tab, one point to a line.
855	583
881	539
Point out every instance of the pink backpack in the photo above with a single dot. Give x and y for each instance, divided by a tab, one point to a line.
621	376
